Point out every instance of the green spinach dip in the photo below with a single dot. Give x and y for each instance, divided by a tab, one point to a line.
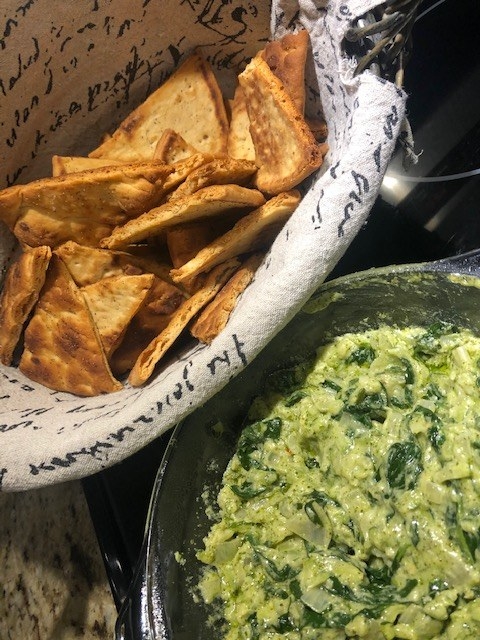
351	508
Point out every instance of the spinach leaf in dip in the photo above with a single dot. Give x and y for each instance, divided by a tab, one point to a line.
351	508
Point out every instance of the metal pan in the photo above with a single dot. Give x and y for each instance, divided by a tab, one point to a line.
160	605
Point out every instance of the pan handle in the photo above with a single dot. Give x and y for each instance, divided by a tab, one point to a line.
467	263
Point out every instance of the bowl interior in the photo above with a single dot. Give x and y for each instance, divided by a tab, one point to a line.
202	445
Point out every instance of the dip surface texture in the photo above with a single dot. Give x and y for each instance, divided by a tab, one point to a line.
351	507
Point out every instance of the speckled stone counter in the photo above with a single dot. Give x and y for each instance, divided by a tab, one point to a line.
53	585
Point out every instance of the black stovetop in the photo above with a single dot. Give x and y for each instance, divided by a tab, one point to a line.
413	220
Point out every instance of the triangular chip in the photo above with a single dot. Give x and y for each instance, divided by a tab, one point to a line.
184	241
113	302
207	202
150	356
285	150
61	165
189	102
240	143
62	348
173	148
88	264
153	317
217	171
215	316
183	168
286	57
83	206
20	292
251	232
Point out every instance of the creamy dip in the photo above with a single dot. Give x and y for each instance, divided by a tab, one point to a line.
351	508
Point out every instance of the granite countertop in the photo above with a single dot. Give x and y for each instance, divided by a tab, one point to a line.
53	585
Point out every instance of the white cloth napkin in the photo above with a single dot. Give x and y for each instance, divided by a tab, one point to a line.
48	437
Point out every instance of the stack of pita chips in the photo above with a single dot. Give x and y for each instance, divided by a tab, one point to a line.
160	229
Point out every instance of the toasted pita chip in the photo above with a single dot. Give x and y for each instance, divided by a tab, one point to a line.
285	150
319	130
215	316
173	148
207	202
88	265
185	240
150	258
113	302
286	57
82	206
217	171
150	356
189	102
240	143
251	232
62	348
61	165
20	292
183	168
152	318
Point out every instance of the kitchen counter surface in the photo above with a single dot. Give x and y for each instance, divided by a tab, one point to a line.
53	584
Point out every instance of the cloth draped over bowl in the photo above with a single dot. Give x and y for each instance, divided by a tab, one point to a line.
63	75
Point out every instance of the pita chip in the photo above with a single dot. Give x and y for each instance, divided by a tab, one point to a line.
217	171
83	206
182	169
62	347
285	150
287	57
252	232
62	165
172	148
88	265
21	289
319	129
240	143
204	203
150	356
189	102
152	318
184	241
215	316
113	302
